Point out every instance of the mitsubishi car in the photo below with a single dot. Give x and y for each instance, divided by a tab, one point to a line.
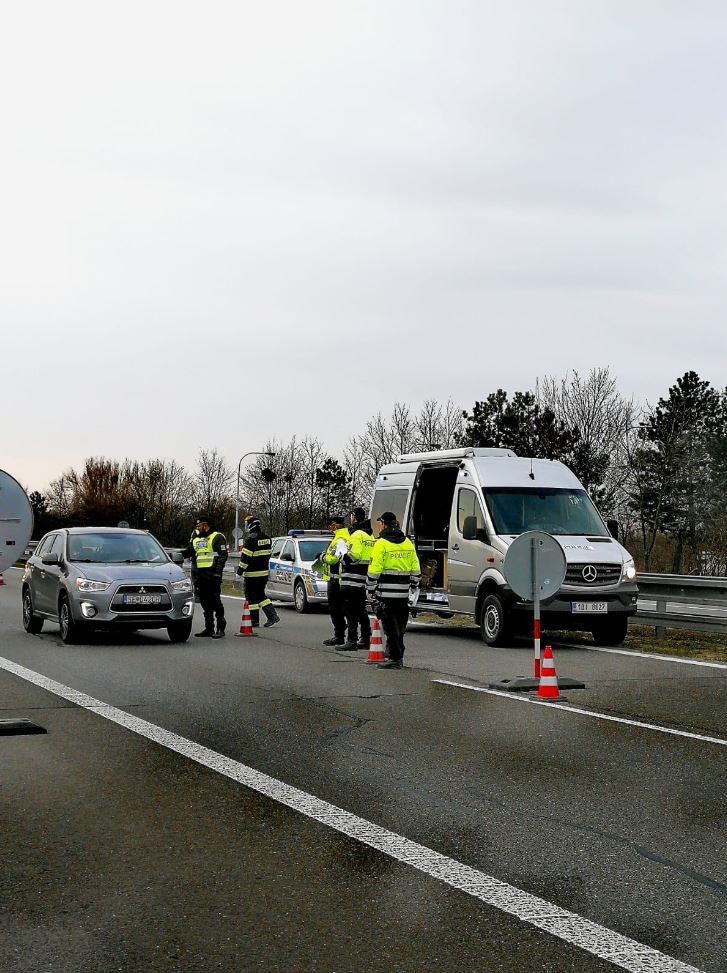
88	578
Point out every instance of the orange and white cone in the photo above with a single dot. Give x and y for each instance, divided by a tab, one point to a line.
245	621
548	685
376	646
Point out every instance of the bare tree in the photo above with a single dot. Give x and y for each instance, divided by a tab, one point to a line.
213	482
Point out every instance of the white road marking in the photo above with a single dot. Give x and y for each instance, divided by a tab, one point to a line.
628	954
524	698
649	655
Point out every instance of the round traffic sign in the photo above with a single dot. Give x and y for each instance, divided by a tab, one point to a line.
16	520
535	549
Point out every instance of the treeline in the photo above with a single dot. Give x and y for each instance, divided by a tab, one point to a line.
659	470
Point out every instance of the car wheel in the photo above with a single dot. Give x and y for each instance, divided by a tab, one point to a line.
611	631
495	625
31	622
70	628
300	597
179	631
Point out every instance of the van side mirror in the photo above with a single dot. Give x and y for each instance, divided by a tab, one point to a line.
613	528
50	559
471	532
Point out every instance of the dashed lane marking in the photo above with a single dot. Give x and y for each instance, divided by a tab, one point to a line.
519	698
621	951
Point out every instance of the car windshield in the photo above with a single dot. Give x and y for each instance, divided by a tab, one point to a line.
115	549
309	550
551	509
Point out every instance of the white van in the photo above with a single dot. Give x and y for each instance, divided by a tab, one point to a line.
463	507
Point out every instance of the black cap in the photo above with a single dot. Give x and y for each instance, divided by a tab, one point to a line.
335	519
387	517
202	519
359	513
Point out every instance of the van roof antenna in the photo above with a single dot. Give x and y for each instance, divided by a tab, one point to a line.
531	474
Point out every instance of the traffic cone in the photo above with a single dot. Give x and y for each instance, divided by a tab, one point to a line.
2	581
376	646
245	620
548	685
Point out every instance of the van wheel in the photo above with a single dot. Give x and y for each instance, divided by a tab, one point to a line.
300	598
611	631
70	628
31	622
495	624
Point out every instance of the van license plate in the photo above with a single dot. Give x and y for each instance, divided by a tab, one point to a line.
142	599
589	607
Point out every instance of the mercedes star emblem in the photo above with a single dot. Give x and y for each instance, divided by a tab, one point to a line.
589	573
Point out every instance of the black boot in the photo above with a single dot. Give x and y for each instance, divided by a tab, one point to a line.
335	640
206	633
272	616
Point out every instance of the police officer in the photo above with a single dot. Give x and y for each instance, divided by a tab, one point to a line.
254	568
208	550
332	564
353	581
393	571
195	533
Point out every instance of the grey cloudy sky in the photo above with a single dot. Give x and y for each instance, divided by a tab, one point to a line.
211	211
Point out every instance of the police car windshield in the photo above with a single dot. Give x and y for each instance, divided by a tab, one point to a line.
552	509
309	550
115	549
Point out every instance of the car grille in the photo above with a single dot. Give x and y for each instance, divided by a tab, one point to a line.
164	605
602	574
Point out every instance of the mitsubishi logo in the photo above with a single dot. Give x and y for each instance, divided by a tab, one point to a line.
142	590
589	573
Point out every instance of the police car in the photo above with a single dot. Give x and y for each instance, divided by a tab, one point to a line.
292	575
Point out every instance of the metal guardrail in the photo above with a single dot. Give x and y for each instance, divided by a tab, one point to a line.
682	601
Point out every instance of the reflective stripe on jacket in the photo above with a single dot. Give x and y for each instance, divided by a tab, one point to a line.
330	558
394	567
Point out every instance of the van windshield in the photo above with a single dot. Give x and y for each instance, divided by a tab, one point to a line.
552	509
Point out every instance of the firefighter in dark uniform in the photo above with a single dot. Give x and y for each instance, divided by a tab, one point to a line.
208	550
254	569
392	574
333	577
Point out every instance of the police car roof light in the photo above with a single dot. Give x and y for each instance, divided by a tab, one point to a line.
299	532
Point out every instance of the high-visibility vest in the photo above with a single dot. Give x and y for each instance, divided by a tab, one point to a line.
393	568
204	555
360	549
330	558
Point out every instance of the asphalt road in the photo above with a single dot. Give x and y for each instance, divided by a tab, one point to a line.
121	853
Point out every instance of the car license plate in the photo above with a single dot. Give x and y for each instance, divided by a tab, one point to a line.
142	599
589	607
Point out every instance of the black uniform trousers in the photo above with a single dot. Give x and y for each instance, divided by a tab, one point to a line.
335	608
394	615
354	605
256	598
209	586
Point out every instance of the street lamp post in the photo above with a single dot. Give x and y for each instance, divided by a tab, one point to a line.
237	492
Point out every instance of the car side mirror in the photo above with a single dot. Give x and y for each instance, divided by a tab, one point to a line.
613	528
50	559
177	557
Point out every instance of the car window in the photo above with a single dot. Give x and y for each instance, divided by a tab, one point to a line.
309	550
468	505
277	546
288	552
115	548
57	545
44	545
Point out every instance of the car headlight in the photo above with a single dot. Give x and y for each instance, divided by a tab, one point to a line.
629	570
83	584
184	585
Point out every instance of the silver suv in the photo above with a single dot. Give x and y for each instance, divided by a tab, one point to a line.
105	577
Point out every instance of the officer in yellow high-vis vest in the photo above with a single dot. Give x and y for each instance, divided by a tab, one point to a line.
353	582
394	571
332	563
208	550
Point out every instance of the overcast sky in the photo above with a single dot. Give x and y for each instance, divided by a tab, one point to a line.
224	222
